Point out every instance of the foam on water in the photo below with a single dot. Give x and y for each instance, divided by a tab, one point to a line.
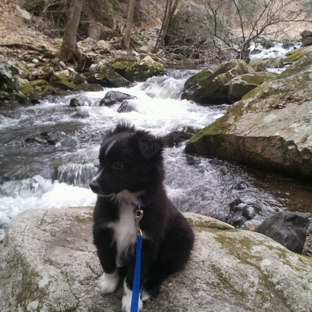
40	193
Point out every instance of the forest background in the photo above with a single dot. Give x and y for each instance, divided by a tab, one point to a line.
213	30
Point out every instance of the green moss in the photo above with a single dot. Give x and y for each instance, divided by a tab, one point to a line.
59	80
296	54
38	82
122	65
29	290
26	88
198	78
140	71
46	89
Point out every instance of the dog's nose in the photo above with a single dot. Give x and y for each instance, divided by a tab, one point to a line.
94	187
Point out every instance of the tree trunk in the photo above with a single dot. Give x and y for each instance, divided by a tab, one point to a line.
130	15
69	49
171	6
137	10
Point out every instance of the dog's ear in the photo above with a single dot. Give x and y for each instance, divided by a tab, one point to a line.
149	145
123	126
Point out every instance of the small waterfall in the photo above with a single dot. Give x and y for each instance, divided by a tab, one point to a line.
76	174
35	187
163	87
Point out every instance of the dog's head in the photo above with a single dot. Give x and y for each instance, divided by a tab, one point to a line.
130	160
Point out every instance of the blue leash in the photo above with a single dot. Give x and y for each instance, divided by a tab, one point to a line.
137	269
137	276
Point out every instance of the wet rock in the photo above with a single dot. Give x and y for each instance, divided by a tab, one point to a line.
144	69
125	107
113	97
80	115
241	212
288	229
211	87
113	77
97	78
55	267
105	76
80	100
241	85
175	138
51	138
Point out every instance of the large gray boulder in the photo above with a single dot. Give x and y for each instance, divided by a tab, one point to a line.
48	263
241	85
211	87
270	128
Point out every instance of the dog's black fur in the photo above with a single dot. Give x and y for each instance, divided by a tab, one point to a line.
131	175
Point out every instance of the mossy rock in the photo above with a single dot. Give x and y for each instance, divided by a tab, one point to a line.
121	66
93	87
269	128
78	79
60	81
296	54
141	71
113	77
198	78
241	85
33	91
302	64
209	88
97	78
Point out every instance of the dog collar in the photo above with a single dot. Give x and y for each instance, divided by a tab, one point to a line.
136	206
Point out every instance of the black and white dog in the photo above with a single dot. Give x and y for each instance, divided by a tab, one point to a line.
131	176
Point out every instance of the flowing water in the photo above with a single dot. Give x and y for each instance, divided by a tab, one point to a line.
35	175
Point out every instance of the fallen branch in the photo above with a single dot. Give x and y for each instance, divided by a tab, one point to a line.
24	46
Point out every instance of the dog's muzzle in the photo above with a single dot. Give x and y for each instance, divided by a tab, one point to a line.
95	187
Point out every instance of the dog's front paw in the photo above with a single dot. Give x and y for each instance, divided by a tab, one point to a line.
126	300
108	282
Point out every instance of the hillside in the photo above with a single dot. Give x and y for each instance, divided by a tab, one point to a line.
14	32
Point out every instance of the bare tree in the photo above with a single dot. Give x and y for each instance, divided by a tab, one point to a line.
137	11
171	6
235	24
130	17
69	49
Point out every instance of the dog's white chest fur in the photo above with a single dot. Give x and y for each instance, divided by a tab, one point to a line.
125	231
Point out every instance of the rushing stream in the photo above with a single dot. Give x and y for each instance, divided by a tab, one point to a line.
35	175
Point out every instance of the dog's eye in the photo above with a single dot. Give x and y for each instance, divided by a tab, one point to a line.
118	164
